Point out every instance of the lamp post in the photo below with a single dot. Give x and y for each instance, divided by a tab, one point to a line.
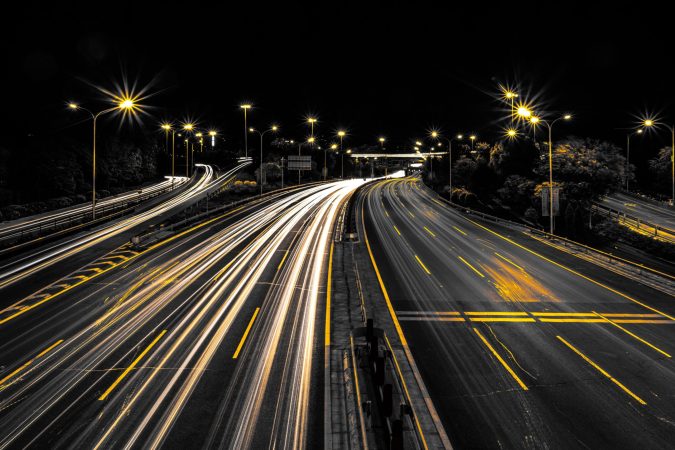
273	128
123	104
167	127
459	137
213	134
651	123
549	125
472	138
510	96
311	121
188	128
245	107
382	139
341	134
628	135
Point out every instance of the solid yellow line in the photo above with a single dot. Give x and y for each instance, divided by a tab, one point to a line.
328	289
633	335
243	338
282	260
495	313
509	261
399	233
602	371
501	360
30	361
392	313
573	271
501	319
422	264
131	367
430	232
459	230
471	267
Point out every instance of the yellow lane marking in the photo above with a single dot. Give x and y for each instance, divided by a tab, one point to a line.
459	230
387	300
602	371
29	362
502	319
399	233
84	279
627	297
509	261
422	264
501	360
430	232
243	338
471	267
633	335
131	367
282	260
329	284
495	313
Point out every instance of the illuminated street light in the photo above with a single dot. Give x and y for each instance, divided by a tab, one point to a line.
511	133
168	127
472	138
648	123
213	134
523	112
311	121
459	137
188	128
310	140
272	129
125	104
245	107
341	134
549	125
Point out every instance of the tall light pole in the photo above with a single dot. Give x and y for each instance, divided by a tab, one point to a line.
509	95
651	123
381	140
272	129
449	141
549	125
341	134
123	104
473	139
188	128
342	163
534	121
310	141
628	135
167	127
311	121
213	134
245	107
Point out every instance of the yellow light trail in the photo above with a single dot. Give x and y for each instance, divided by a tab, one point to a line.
602	371
282	261
243	338
399	233
28	363
329	284
509	261
131	367
430	232
501	360
459	230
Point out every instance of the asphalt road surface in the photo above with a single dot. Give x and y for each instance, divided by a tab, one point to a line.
209	338
518	344
662	216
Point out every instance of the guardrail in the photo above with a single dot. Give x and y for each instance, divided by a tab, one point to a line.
634	221
565	242
70	222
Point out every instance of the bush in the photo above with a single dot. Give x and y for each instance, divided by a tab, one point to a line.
608	231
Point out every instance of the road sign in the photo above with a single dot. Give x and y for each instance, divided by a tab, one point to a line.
296	162
545	200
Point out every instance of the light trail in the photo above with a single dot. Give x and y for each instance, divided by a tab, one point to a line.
197	294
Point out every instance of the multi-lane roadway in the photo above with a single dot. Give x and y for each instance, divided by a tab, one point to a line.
207	338
518	344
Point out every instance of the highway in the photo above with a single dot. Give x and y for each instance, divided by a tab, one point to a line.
210	338
662	216
518	344
16	228
33	269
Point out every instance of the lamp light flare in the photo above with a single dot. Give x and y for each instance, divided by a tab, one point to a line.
534	120
166	126
246	106
523	111
648	122
73	105
341	133
567	116
212	133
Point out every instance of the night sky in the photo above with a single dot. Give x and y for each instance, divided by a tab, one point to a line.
391	68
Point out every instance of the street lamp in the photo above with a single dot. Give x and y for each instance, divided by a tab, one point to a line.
652	123
272	129
628	135
510	96
549	125
311	121
534	121
511	133
472	138
245	107
124	104
188	128
381	139
213	134
342	162
459	137
168	127
341	134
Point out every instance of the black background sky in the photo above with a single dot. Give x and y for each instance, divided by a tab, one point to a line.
392	68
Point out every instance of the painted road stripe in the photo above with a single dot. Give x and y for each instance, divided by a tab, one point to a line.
399	233
602	371
501	360
131	367
471	267
430	232
459	230
633	335
422	264
243	338
509	261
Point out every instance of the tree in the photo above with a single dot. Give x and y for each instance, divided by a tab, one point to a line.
660	167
